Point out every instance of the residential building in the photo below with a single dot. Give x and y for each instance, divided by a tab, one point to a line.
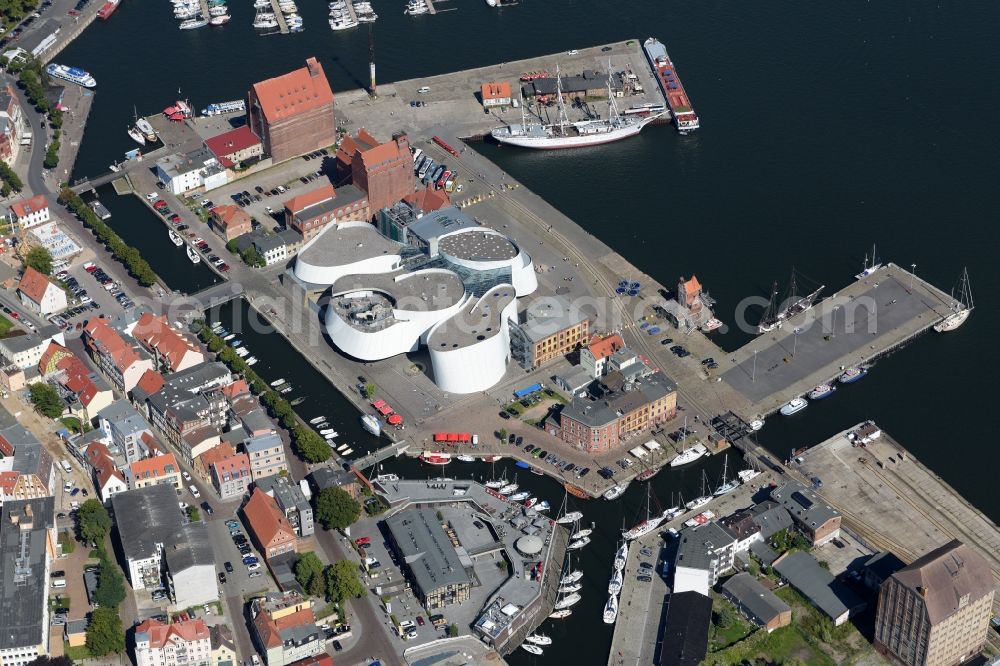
878	567
267	455
223	645
271	531
184	643
161	548
195	170
85	392
13	130
831	596
619	406
384	171
25	351
120	362
428	558
153	471
284	628
937	610
40	294
757	603
594	357
230	221
742	526
290	500
293	113
350	481
28	472
813	516
771	518
128	430
189	410
495	94
308	213
108	480
28	213
549	329
278	247
231	475
233	148
27	547
172	350
704	553
685	634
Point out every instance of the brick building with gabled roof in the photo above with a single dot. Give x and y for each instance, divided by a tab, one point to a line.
173	350
235	146
117	359
293	113
40	294
230	221
271	531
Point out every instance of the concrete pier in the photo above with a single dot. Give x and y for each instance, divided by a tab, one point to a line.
282	25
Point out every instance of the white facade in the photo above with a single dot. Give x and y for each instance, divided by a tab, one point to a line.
26	356
53	300
356	248
33	217
522	269
174	651
689	579
194	586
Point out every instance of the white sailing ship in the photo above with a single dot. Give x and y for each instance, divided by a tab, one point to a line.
611	610
961	307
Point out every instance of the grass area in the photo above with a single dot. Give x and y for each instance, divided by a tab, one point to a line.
94	554
76	653
5	326
67	542
72	423
327	612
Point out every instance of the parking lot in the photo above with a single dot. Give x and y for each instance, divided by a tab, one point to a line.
240	581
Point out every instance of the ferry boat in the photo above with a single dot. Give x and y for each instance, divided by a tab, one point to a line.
71	74
685	119
435	457
465	458
147	130
794	406
175	239
560	614
107	9
611	610
566	134
822	391
570	518
689	455
961	307
371	424
538	639
192	255
615	491
851	375
615	584
533	649
192	24
235	106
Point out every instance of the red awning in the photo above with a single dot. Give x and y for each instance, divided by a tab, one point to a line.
395	419
385	409
378	404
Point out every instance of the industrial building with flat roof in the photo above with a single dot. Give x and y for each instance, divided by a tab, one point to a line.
429	557
685	633
819	586
757	603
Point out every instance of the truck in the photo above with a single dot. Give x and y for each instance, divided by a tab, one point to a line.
65	465
306	491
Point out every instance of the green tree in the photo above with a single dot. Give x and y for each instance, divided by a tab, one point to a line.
46	400
343	582
10	178
336	509
52	155
232	246
110	585
251	257
502	434
310	446
40	259
369	390
193	514
309	574
93	523
452	630
104	633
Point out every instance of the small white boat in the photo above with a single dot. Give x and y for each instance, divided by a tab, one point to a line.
611	610
242	352
496	484
220	20
508	489
520	496
571	577
615	584
229	337
192	255
137	136
176	240
277	382
191	24
822	391
567	601
329	438
582	533
621	557
533	649
371	424
252	360
756	425
578	544
570	517
615	491
347	452
571	588
328	431
543	506
538	639
794	406
560	614
342	447
317	419
465	458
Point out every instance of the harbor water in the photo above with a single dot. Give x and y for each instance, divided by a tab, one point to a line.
824	129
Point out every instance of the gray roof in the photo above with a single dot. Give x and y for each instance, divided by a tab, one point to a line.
181	391
763	552
6	418
606	409
806	507
77	626
547	316
698	545
339	245
771	517
478	245
22	560
30	457
479	320
16	344
345	195
946	575
883	564
757	599
267	242
125	418
262	443
818	585
685	633
21	438
189	547
440	222
256	419
286	492
426	549
328	477
146	518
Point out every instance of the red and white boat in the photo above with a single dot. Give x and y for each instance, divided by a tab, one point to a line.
685	119
435	457
107	9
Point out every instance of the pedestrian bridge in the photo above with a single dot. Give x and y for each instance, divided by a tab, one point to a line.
210	297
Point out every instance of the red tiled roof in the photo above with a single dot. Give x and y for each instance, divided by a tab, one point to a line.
361	141
26	207
428	199
231	142
77	378
290	94
7	481
236	388
296	619
107	341
298	203
317	660
385	152
496	91
160	633
266	520
267	630
237	463
96	454
33	284
692	286
154	446
229	215
150	382
155	467
604	347
217	453
156	333
53	354
106	471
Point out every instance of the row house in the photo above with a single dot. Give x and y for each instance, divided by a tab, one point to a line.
117	359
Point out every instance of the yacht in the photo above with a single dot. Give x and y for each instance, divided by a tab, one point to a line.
509	489
795	406
147	130
611	610
496	484
726	487
192	255
543	506
414	7
220	20
615	491
701	500
520	497
822	391
533	649
866	268
615	584
689	455
571	578
465	457
371	424
342	23
191	24
582	533
578	544
569	589
137	136
218	10
621	557
746	475
646	526
176	240
538	639
560	614
852	375
261	4
567	601
570	517
263	22
961	307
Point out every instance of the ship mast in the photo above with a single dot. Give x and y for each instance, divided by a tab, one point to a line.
771	313
612	105
563	120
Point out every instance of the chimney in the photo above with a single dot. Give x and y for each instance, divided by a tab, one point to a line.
923	591
313	66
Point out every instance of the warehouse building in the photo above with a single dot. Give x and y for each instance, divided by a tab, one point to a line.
429	558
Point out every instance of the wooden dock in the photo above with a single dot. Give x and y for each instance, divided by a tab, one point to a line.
430	7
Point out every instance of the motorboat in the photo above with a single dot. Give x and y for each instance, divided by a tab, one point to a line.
176	240
543	506
689	455
647	474
570	517
341	448
578	544
611	610
520	496
538	639
414	7
615	584
346	452
533	649
822	391
571	588
465	458
192	255
193	23
218	10
137	136
146	128
509	489
220	20
371	424
328	431
756	425
252	361
316	419
795	406
852	375
530	502
277	382
230	336
614	492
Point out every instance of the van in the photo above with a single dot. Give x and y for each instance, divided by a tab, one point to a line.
194	491
423	89
59	582
65	465
417	152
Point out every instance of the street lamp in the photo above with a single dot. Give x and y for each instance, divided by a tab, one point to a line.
753	378
913	271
